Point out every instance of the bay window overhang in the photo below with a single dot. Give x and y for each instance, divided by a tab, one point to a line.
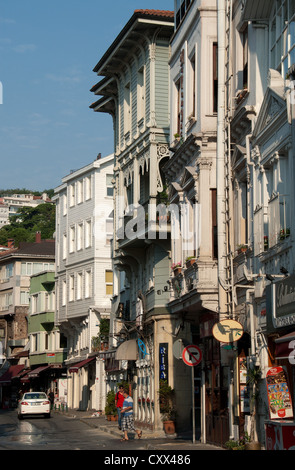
254	10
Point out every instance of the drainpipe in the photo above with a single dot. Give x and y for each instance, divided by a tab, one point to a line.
220	161
221	203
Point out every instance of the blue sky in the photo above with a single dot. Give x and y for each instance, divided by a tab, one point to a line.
48	50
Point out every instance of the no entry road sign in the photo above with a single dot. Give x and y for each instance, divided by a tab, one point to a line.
192	355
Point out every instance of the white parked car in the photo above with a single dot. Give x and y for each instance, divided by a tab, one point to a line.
34	403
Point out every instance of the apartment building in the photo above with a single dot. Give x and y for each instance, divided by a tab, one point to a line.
84	277
48	347
191	174
16	267
260	135
17	201
137	96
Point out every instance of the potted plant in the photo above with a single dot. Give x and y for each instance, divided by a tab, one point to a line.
235	445
284	233
108	412
189	261
176	268
242	248
110	409
167	408
253	377
100	342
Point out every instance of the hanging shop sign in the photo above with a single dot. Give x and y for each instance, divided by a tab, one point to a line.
163	361
227	331
280	304
279	398
142	348
192	355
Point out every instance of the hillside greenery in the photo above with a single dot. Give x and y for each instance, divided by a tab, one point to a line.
29	220
10	192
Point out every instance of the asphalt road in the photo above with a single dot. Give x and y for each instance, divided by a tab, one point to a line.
57	433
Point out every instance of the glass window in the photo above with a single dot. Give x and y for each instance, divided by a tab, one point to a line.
110	189
88	284
282	36
109	282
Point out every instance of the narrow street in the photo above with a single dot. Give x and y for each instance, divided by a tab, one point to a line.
56	433
67	433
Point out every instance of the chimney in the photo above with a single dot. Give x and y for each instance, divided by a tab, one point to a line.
38	237
10	243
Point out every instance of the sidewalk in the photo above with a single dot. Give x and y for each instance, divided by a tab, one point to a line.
153	440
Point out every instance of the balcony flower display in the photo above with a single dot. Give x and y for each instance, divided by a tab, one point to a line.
176	268
189	261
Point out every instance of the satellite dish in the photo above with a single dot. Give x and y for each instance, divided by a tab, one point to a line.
178	347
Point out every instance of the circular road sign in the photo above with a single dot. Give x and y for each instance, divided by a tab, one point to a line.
192	355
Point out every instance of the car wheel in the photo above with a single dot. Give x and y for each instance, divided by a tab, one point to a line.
47	415
19	416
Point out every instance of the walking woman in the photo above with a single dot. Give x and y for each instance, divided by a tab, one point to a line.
127	417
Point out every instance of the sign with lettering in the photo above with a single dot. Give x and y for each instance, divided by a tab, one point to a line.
285	302
279	398
163	361
280	304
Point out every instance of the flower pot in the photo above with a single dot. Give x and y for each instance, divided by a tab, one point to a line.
176	271
169	427
254	445
114	417
190	262
109	417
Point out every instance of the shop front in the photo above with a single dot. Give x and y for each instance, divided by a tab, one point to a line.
215	383
9	385
280	376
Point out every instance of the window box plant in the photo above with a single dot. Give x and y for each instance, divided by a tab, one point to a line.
284	233
176	268
189	261
242	248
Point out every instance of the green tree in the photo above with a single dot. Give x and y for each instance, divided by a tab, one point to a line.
29	220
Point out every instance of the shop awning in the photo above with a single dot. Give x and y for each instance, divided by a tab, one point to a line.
25	379
12	372
21	374
127	351
78	366
283	348
36	372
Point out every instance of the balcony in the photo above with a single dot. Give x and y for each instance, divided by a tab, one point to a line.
139	225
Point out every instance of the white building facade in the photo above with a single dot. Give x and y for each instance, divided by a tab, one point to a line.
259	136
84	279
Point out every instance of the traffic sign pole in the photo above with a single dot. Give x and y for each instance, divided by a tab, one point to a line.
194	358
193	401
